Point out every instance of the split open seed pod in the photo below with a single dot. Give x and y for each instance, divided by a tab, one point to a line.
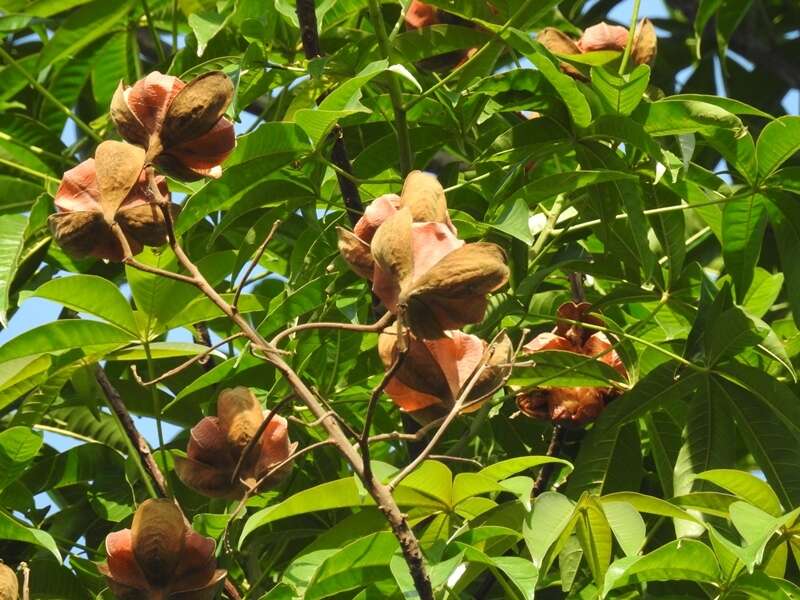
217	443
453	292
573	333
161	557
434	372
181	125
107	191
9	584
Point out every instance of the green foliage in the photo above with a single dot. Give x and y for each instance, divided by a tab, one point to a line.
675	204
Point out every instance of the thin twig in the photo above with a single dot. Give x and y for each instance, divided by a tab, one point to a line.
380	493
371	328
185	365
26	580
553	450
259	253
138	442
152	27
373	403
257	435
460	459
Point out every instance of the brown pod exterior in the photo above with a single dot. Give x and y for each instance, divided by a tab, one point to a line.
239	414
9	584
197	108
158	536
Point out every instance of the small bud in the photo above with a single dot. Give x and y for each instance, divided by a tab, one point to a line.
603	37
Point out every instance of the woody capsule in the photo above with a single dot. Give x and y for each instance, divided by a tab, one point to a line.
106	192
571	405
408	248
9	585
433	373
216	445
602	37
160	557
181	125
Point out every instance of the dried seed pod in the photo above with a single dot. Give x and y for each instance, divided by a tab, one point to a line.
391	247
453	293
197	108
645	44
118	168
9	584
557	41
603	37
434	372
424	196
106	191
420	14
160	557
356	252
239	414
157	535
216	445
182	126
571	405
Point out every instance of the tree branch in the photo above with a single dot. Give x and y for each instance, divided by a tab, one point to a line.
259	253
309	33
379	492
553	450
371	328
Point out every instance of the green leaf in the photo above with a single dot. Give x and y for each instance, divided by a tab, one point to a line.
506	468
11	529
649	504
269	139
687	560
732	332
63	335
357	564
730	104
594	534
18	447
774	446
205	26
341	493
778	141
784	217
621	94
675	117
626	524
743	223
343	101
91	294
12	238
552	514
747	486
418	44
467	485
561	368
597	451
81	28
564	183
434	480
564	85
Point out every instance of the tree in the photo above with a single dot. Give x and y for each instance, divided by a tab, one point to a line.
447	300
